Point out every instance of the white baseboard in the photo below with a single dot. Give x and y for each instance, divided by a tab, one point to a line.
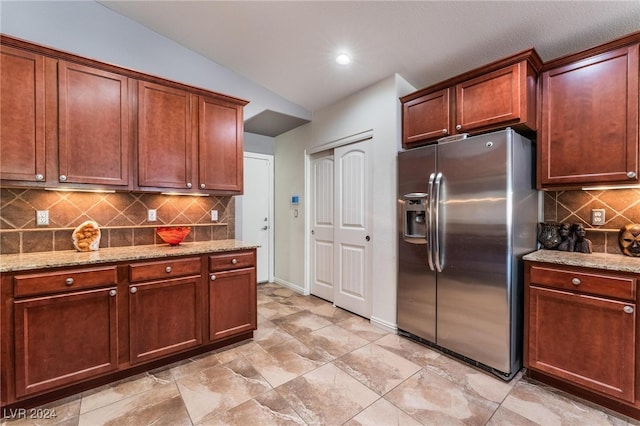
290	286
385	325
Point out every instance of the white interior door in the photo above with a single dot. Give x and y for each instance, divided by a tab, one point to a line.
257	210
352	230
322	223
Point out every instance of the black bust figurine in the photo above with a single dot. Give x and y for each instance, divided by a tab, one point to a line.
582	244
568	239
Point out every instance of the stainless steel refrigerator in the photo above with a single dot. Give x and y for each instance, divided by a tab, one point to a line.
467	214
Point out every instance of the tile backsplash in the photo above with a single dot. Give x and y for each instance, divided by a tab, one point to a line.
122	218
622	206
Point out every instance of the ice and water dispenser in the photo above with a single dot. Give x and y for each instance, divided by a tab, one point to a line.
415	217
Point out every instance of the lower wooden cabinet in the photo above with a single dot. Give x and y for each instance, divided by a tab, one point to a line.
232	295
581	328
165	317
66	329
64	339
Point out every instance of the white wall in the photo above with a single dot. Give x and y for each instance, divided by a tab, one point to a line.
375	108
258	144
87	28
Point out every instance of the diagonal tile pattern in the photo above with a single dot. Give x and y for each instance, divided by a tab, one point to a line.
311	363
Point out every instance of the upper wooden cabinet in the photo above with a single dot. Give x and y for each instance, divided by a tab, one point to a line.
188	142
589	118
93	132
166	151
22	107
220	153
497	95
73	122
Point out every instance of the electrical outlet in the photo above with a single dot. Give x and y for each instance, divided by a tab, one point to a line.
152	215
214	215
42	217
597	217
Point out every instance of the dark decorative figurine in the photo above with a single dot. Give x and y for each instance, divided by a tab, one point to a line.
582	244
568	239
629	239
549	235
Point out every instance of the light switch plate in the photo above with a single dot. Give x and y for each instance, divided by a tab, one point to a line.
152	215
42	217
597	217
214	215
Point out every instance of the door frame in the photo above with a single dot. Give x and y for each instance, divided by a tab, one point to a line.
356	137
240	205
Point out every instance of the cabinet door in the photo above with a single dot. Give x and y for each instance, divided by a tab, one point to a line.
93	126
220	145
22	108
232	303
64	339
166	152
492	99
426	118
589	122
585	340
165	317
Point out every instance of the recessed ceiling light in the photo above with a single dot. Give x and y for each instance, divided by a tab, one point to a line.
343	59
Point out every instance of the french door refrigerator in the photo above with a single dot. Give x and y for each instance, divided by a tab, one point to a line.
467	214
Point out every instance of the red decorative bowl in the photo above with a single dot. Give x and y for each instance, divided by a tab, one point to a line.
173	235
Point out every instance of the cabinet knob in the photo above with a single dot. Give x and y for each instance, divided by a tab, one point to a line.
189	185
628	309
39	176
458	126
133	290
234	261
69	281
112	293
212	277
444	131
575	281
631	175
203	186
63	178
168	269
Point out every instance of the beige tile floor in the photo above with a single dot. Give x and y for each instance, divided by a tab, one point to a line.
313	364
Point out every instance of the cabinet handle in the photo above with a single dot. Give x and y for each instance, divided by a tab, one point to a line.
69	281
631	175
212	277
189	185
133	290
458	126
575	281
444	131
168	269
39	176
234	261
628	309
203	186
63	178
112	293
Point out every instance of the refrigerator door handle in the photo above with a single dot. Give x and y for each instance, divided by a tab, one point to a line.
430	207
436	231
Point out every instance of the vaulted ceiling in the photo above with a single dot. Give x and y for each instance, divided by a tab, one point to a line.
289	47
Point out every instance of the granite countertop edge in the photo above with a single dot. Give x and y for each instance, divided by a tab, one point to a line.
55	259
606	261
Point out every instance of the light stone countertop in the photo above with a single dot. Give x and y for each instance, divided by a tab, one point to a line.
53	259
611	262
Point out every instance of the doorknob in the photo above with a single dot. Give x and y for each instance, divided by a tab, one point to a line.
368	238
264	228
313	232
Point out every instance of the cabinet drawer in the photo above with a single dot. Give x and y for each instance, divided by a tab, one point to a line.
57	282
235	260
593	283
164	269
